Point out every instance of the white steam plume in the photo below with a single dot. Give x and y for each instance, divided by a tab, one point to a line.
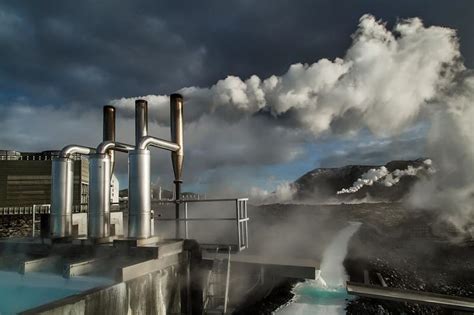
383	176
394	177
284	192
386	81
367	179
451	140
382	83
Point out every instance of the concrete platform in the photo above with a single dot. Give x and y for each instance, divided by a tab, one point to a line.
94	241
394	294
286	267
40	264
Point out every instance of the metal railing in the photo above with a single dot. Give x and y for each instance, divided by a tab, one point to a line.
17	156
20	210
241	220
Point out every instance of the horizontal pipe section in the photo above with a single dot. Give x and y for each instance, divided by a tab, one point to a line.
73	149
157	142
403	295
115	146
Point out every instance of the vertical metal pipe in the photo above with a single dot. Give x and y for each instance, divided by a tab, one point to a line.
139	178
108	130
62	177
176	116
139	196
141	120
176	122
177	207
99	195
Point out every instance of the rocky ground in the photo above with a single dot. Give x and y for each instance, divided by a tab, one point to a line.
15	225
416	264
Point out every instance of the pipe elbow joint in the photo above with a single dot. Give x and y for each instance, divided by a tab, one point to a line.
73	148
159	143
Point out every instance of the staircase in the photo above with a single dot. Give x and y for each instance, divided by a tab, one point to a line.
217	286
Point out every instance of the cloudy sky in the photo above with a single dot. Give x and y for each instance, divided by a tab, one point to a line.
261	106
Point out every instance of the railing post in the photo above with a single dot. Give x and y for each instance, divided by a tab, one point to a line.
237	215
246	215
185	220
34	219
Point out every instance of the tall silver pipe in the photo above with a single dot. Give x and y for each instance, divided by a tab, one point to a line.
100	174
139	194
100	169
62	178
177	157
139	197
139	186
141	120
61	197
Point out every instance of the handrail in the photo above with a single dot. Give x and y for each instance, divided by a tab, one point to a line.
199	200
241	218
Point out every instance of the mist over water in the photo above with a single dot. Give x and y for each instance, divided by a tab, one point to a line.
327	294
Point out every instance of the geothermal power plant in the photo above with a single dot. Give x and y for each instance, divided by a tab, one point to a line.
86	264
178	255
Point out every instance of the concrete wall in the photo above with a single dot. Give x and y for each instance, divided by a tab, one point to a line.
80	219
153	293
116	218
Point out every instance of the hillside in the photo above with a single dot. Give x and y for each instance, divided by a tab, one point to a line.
322	184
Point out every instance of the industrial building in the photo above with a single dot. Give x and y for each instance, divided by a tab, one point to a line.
25	179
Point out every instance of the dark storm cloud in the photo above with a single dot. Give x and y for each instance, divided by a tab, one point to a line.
88	52
59	59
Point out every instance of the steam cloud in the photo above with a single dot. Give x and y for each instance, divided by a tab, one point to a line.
387	81
385	177
382	83
284	192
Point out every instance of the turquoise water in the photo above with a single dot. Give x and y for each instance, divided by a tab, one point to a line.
327	294
21	292
310	298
